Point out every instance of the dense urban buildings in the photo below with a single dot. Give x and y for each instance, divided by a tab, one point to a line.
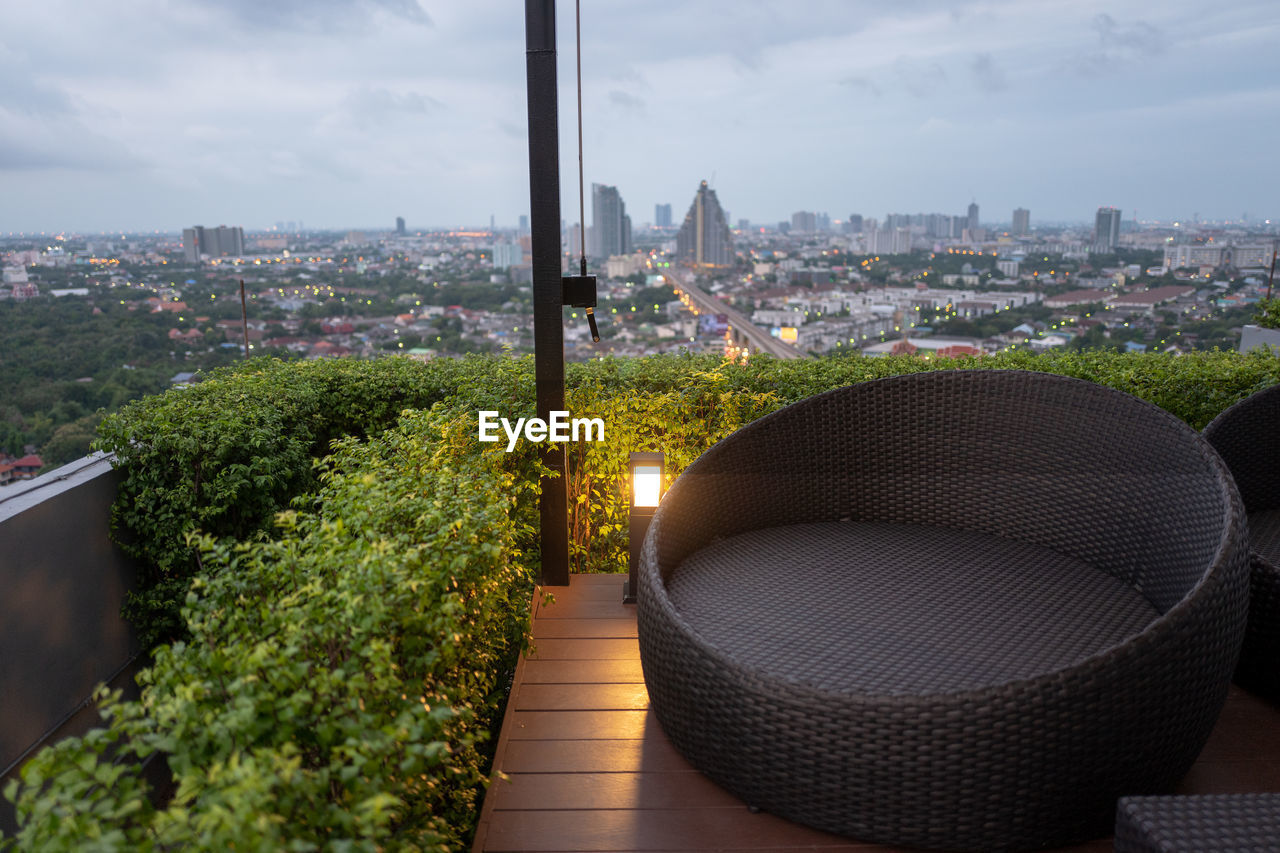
704	238
610	226
662	215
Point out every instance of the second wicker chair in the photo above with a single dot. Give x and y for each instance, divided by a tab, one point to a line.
1247	435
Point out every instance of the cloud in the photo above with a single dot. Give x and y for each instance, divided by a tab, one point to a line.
862	84
325	16
1139	38
34	142
986	74
23	93
626	101
934	125
1117	45
919	80
381	106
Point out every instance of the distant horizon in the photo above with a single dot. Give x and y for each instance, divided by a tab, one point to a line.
500	227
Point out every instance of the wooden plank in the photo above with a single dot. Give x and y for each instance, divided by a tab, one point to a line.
590	587
585	579
584	628
579	725
1233	777
1243	733
582	697
613	791
583	672
508	725
601	775
582	649
650	755
586	608
653	829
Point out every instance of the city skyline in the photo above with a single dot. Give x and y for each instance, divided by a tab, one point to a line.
144	116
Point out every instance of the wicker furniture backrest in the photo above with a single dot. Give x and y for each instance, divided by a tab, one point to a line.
1247	436
1073	466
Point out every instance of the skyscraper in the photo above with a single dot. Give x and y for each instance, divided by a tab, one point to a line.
1106	230
803	222
704	238
1021	221
973	217
506	255
662	215
400	225
610	232
214	242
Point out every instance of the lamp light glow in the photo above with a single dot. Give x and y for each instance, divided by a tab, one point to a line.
646	490
646	485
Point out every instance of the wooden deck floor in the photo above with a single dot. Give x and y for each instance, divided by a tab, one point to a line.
590	769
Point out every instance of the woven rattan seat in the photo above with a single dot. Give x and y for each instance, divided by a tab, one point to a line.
922	609
1208	823
1247	435
962	610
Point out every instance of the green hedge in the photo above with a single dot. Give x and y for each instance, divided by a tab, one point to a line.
339	683
344	667
224	456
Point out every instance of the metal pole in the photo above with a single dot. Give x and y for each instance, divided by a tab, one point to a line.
1271	276
244	319
548	295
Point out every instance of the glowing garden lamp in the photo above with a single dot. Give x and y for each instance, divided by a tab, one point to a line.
646	471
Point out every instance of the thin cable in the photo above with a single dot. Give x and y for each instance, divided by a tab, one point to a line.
582	204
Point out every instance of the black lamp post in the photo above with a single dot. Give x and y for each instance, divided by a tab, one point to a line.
646	470
548	291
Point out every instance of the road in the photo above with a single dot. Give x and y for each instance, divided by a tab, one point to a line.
758	340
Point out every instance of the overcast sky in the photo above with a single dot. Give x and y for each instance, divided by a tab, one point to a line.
160	114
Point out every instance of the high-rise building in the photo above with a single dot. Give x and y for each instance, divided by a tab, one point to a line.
1106	229
972	225
943	225
704	238
191	243
1021	221
804	222
400	225
575	241
523	228
662	215
854	223
212	242
610	232
506	255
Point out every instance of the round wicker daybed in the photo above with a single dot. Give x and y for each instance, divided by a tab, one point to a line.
1247	436
959	609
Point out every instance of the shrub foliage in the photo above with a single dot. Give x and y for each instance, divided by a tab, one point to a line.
342	573
339	682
